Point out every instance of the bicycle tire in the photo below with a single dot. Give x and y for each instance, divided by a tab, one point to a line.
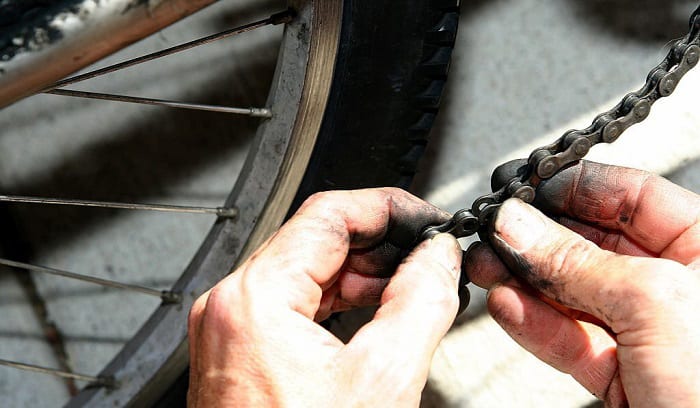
400	56
384	101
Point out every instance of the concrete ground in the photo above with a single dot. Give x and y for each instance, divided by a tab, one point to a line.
523	72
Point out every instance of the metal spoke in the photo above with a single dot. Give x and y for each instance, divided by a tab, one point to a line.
223	212
255	112
165	295
103	381
279	18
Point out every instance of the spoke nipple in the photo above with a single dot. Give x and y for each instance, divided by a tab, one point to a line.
225	212
283	17
260	113
170	297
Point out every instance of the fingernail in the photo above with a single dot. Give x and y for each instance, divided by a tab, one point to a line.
519	225
447	252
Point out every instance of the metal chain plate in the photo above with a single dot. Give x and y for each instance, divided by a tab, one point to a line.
545	162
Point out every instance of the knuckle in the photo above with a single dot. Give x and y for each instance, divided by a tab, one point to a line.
325	201
325	208
572	256
389	192
216	299
220	310
330	201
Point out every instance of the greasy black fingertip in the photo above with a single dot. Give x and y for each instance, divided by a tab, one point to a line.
517	264
466	256
472	247
405	232
379	261
506	172
553	194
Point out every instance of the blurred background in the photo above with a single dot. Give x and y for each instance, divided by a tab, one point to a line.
523	72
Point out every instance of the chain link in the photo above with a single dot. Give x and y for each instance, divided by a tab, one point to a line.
545	162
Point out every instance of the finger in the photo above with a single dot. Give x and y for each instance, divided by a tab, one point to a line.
605	238
646	208
366	273
504	173
359	291
379	260
610	197
351	291
418	307
584	351
573	271
486	271
306	254
362	278
483	267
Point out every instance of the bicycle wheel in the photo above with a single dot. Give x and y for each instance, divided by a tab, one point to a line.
325	134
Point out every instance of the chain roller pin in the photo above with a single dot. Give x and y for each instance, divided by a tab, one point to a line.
611	132
668	85
641	110
547	167
581	147
525	193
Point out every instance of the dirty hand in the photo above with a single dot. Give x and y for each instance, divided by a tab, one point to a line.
254	340
616	306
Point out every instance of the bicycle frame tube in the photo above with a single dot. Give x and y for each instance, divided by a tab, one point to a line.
76	33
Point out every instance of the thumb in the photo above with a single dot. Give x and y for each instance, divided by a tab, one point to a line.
417	308
566	267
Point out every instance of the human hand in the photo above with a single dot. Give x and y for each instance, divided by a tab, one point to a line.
254	340
615	306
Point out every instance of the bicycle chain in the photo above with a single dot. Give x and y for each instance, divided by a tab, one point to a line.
545	162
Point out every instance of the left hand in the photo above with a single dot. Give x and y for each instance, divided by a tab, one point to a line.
254	340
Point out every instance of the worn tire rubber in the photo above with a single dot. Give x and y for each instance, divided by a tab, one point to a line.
391	71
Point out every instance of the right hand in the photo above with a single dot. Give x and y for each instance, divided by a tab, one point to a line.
254	340
614	303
